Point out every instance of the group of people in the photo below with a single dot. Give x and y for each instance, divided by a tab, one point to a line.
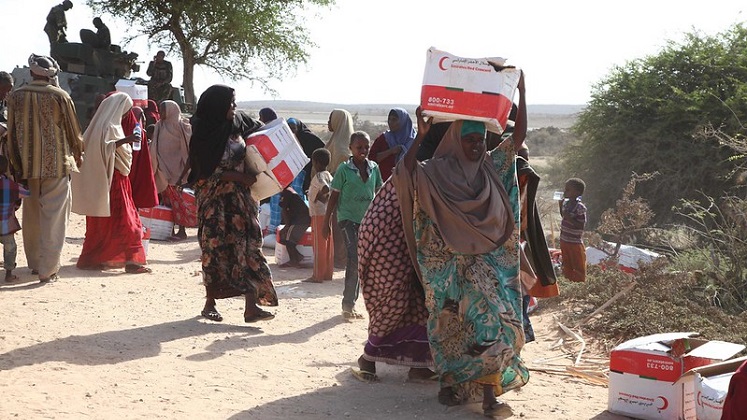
57	169
437	224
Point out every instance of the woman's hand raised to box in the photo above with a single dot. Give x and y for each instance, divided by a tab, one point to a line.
424	125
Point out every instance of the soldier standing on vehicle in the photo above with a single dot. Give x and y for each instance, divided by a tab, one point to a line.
161	73
56	22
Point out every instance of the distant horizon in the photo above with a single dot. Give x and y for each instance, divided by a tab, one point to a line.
317	113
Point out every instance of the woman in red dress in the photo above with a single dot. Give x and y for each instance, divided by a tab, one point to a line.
102	192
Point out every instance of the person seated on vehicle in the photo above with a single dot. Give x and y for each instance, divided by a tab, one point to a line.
99	39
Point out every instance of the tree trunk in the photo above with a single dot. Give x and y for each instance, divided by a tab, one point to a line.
188	80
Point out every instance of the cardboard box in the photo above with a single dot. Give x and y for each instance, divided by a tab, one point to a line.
643	372
138	93
704	389
159	221
275	156
457	88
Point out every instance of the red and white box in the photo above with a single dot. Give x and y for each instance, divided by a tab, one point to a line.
643	372
457	88
305	247
275	156
704	389
159	221
138	93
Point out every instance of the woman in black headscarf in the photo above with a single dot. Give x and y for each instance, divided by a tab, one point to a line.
228	231
309	142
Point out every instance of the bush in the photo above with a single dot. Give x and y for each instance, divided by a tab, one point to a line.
662	301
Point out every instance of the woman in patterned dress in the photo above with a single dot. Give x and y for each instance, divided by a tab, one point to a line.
228	232
394	297
461	213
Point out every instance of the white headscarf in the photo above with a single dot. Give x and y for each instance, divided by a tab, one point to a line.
42	69
339	144
91	186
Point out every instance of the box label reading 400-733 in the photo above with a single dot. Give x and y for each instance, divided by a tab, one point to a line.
664	365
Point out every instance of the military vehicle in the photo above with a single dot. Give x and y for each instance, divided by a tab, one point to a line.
88	72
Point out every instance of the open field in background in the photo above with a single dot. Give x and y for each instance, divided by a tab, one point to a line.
560	116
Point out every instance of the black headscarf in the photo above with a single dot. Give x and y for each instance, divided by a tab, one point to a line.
267	114
309	142
211	130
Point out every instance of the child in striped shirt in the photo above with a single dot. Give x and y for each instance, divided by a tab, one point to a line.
572	227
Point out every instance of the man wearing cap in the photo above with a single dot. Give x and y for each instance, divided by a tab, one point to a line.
56	22
44	147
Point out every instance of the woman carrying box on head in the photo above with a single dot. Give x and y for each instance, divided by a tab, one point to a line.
228	233
460	211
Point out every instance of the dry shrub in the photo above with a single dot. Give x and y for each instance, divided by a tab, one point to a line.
660	302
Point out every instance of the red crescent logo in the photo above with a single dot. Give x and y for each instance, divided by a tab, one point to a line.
665	403
698	401
441	63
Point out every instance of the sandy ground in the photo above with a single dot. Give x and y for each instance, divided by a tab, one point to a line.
115	345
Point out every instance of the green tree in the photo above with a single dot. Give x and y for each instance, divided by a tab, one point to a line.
650	114
239	39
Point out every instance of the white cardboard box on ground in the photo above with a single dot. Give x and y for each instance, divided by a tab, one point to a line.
643	372
704	389
304	247
274	154
138	93
457	88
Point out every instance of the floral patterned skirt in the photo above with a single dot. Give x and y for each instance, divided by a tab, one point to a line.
231	242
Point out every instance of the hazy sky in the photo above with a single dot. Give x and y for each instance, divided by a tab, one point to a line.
373	51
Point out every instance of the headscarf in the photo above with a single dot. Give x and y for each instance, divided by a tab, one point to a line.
309	142
44	66
339	144
405	134
267	114
170	146
465	199
91	195
152	115
211	130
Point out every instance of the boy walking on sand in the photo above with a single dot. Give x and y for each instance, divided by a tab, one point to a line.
572	227
353	188
10	200
319	191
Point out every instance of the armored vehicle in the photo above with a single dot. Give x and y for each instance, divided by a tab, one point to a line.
88	72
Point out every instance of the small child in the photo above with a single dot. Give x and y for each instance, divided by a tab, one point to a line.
319	190
353	189
572	227
295	216
10	200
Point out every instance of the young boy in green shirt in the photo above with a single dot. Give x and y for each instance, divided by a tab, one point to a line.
353	188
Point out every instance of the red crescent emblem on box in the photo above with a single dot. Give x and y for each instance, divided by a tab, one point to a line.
441	63
665	403
698	401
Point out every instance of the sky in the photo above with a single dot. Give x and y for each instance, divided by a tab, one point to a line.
373	51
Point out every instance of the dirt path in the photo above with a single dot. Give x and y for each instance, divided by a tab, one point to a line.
114	345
